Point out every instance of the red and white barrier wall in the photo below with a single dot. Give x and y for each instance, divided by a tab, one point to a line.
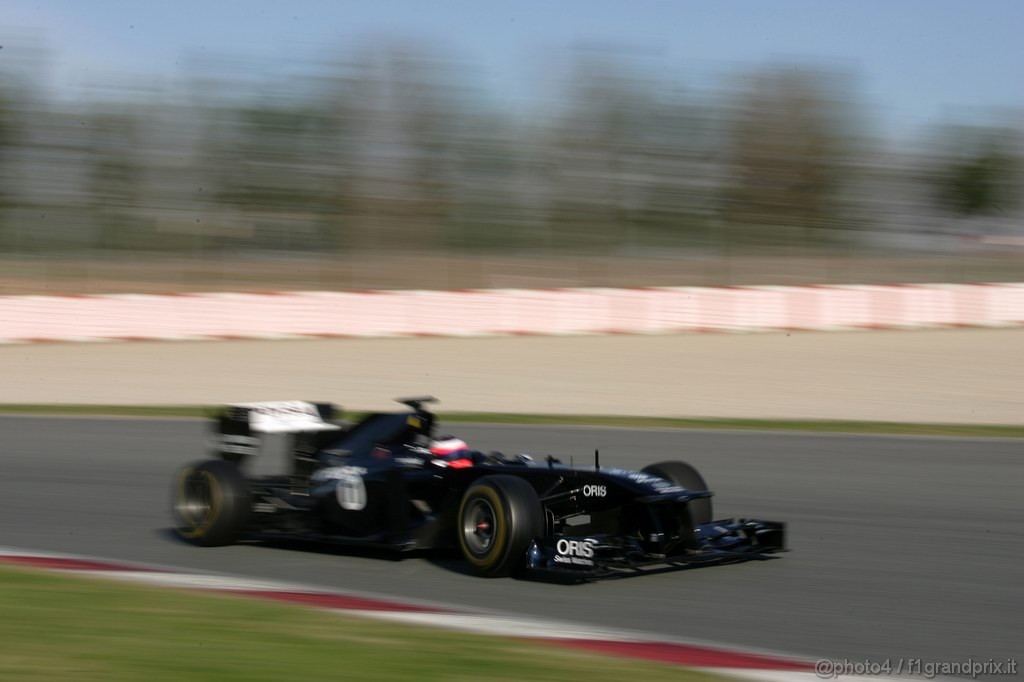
496	312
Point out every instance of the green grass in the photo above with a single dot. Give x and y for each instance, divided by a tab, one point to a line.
810	425
109	410
63	628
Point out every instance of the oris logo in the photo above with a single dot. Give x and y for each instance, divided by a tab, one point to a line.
594	491
580	548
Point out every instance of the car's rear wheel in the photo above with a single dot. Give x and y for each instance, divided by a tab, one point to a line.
211	503
498	519
685	476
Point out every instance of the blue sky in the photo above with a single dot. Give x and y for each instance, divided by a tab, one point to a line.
916	61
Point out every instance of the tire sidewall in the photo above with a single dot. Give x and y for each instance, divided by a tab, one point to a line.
229	504
496	553
518	512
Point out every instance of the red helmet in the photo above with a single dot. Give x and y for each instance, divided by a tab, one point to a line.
447	446
452	452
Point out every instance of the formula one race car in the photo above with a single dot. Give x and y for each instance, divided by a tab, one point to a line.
387	481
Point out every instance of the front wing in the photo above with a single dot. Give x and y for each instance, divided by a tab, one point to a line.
605	555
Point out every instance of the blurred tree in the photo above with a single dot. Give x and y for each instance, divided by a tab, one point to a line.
681	172
788	136
11	134
271	175
596	155
979	173
407	106
490	188
630	159
335	156
115	178
8	136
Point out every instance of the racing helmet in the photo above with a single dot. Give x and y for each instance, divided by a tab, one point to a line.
449	451
448	447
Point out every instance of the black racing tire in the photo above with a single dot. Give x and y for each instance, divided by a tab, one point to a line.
685	476
211	503
499	517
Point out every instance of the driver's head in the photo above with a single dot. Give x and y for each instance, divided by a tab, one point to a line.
448	447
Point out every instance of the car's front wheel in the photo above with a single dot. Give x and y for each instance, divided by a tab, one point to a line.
498	519
685	476
211	503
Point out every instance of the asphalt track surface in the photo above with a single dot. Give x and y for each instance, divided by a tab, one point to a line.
902	547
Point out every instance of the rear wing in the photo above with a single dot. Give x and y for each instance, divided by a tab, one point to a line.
237	429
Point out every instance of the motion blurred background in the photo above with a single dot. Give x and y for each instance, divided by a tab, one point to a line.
460	144
346	147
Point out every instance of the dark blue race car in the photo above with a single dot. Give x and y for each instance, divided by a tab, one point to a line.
389	481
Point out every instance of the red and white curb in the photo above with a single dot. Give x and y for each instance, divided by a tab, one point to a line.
505	312
749	664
